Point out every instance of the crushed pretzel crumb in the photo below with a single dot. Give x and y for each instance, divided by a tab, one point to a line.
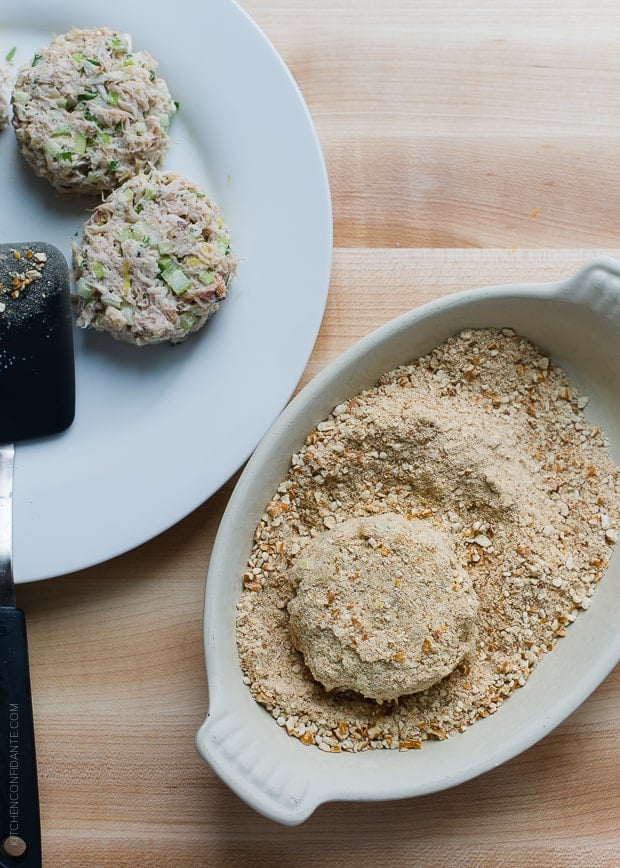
486	439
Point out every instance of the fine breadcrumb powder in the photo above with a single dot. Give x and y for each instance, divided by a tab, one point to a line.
486	440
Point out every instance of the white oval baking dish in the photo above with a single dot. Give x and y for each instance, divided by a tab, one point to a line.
577	322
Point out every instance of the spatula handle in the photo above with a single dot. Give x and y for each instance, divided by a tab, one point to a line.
20	830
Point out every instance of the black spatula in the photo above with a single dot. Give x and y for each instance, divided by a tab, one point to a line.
37	399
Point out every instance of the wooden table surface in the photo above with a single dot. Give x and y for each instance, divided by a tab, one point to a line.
467	143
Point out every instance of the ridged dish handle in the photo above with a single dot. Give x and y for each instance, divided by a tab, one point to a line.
597	286
229	745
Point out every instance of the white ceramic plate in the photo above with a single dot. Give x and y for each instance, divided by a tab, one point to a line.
578	322
159	429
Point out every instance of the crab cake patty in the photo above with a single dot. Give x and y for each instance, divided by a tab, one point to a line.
382	607
154	261
89	113
6	77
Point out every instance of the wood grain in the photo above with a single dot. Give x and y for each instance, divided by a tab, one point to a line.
472	124
446	127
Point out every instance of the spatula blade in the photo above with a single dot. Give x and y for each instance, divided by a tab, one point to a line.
37	380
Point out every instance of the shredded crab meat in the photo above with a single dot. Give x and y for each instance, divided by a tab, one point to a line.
6	79
154	261
89	113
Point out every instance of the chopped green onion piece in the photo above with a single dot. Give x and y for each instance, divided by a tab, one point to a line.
139	208
52	147
66	155
97	269
112	97
105	138
187	321
80	58
206	277
151	75
150	193
85	97
11	54
129	60
79	142
118	45
83	289
138	230
165	262
110	300
36	59
113	166
164	121
125	233
176	104
176	279
61	103
223	244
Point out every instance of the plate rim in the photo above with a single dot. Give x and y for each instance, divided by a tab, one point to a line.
322	232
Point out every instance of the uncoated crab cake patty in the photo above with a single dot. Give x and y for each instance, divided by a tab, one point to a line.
6	76
154	261
382	607
89	113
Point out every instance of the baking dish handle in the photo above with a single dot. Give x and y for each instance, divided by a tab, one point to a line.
597	286
231	749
